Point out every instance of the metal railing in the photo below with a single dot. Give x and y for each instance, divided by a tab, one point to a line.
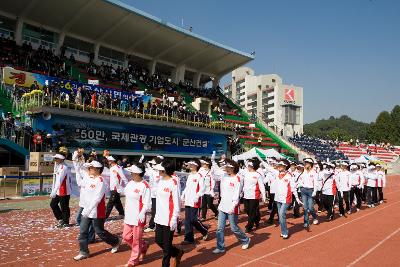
39	100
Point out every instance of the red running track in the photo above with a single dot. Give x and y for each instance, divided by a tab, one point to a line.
370	237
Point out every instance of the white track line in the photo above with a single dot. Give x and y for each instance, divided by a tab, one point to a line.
374	247
317	235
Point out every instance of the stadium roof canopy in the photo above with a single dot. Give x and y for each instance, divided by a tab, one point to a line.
124	28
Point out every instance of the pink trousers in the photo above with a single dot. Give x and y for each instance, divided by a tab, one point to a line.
133	236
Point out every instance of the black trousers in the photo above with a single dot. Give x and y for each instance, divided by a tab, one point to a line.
60	207
375	195
296	207
271	200
355	192
252	209
380	192
328	203
153	213
318	200
208	203
274	209
114	201
192	220
163	238
346	198
98	225
371	195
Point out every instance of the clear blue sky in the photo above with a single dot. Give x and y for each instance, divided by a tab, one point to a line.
344	53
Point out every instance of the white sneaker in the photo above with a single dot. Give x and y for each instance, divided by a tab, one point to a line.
116	247
369	206
246	246
205	237
285	236
381	201
218	251
148	230
358	209
81	257
319	211
315	222
349	212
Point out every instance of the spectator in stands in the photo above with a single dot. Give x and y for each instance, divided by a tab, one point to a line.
78	96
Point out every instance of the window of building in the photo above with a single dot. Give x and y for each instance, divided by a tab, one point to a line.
292	115
273	80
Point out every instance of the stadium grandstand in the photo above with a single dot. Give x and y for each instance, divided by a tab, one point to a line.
100	74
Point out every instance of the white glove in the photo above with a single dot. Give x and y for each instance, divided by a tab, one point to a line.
141	159
264	200
173	225
85	213
53	195
213	156
299	201
314	194
142	217
183	198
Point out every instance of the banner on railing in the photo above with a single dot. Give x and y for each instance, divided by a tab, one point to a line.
102	134
31	187
26	79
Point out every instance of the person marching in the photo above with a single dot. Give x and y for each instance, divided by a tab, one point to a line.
117	180
93	195
381	182
167	212
137	202
154	178
344	185
61	191
371	178
231	188
308	183
328	189
253	191
357	184
78	160
191	196
270	177
297	175
209	182
285	187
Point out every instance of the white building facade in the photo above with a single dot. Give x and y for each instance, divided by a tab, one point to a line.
279	105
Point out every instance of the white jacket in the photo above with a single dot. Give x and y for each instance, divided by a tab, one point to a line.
253	186
194	190
285	187
328	184
371	177
381	179
309	179
356	179
137	202
93	197
167	203
230	194
61	180
117	179
343	180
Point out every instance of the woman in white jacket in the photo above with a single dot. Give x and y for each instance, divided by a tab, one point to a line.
209	185
93	197
285	188
137	202
229	206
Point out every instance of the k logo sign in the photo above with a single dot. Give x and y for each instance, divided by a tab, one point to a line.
289	96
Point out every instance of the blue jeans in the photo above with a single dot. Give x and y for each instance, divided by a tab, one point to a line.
233	221
91	237
308	204
282	207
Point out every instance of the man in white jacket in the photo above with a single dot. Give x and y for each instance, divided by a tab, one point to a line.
117	180
381	182
61	191
344	186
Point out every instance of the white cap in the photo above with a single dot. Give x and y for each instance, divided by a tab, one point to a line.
160	157
344	163
308	160
229	166
204	162
134	169
282	163
58	156
159	167
300	166
94	164
111	158
192	163
378	165
152	162
250	163
353	167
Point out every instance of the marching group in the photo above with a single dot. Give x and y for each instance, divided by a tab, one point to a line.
287	185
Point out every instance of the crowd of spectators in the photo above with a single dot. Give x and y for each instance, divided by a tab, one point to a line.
41	60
